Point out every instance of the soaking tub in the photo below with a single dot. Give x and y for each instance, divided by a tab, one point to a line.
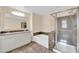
41	39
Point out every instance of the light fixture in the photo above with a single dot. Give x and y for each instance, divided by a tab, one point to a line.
18	13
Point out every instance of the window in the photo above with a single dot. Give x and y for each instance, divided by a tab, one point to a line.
64	24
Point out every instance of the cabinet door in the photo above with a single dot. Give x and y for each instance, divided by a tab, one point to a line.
10	42
24	38
0	43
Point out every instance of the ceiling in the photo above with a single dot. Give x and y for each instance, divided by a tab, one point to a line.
47	9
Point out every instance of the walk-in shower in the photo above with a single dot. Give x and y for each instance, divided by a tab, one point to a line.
66	33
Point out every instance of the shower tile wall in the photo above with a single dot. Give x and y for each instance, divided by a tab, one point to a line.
67	35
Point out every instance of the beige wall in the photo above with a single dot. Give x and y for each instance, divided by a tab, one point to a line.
1	18
36	22
48	23
43	23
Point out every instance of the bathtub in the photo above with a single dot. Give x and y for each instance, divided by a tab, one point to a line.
59	47
41	39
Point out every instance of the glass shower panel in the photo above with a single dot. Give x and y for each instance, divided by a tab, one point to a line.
66	31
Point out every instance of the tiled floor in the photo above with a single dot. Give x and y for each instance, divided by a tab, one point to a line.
32	48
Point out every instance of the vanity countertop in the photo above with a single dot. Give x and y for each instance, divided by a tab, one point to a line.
2	33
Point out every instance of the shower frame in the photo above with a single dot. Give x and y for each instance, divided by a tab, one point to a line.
56	31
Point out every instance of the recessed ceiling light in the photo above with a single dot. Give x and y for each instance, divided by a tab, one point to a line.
18	13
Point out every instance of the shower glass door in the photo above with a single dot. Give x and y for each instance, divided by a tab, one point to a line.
66	34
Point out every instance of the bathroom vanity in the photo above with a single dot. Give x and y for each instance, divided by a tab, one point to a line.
13	39
13	29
